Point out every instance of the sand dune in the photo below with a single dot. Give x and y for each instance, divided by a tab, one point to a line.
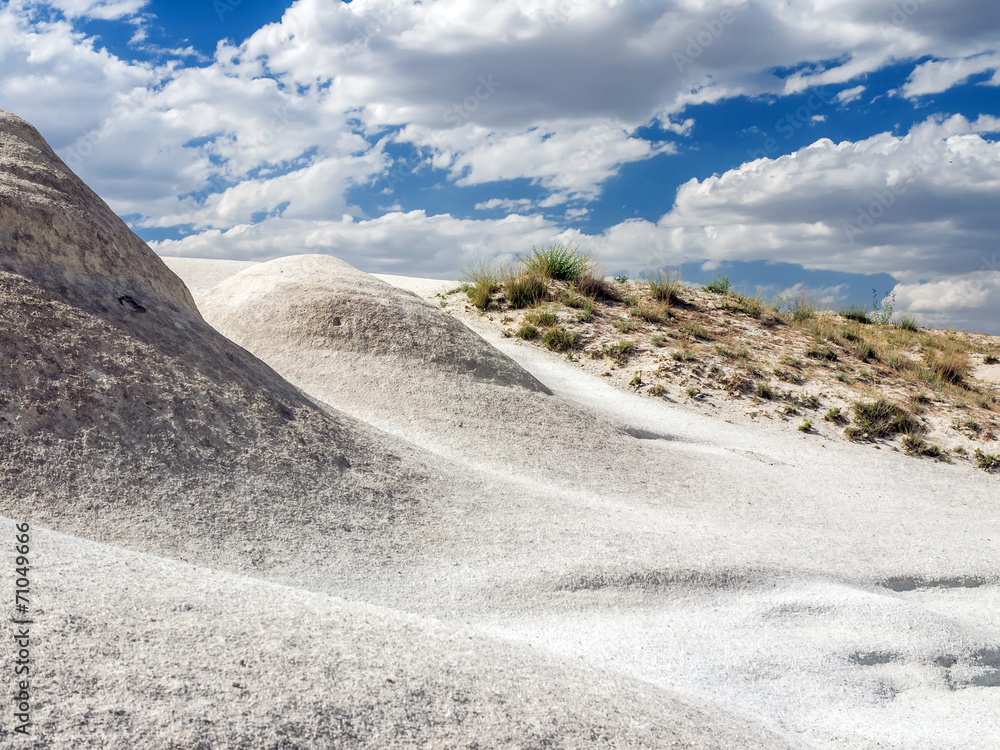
412	533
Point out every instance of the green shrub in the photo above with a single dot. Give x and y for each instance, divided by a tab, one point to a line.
560	340
987	461
665	288
648	313
881	418
762	389
542	318
525	290
481	282
836	416
951	366
586	313
806	426
626	326
619	351
527	332
636	380
907	323
561	262
719	285
858	313
817	352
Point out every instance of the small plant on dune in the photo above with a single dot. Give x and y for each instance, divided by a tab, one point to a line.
882	315
621	278
915	445
573	299
990	359
586	313
649	313
665	288
593	283
560	262
806	426
819	352
636	380
858	313
987	461
659	340
481	282
951	366
619	351
695	331
881	418
560	340
763	390
907	323
658	390
719	285
801	308
525	290
542	318
684	355
691	391
896	360
626	326
864	350
527	332
836	416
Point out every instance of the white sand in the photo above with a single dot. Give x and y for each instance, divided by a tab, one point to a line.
810	586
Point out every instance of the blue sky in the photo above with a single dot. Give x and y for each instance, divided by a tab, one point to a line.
825	146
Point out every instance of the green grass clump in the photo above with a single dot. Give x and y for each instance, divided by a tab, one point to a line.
818	352
665	288
626	326
560	262
763	390
907	323
864	350
619	351
649	313
857	313
525	290
527	332
481	282
951	366
836	416
881	418
695	331
987	461
560	340
719	285
542	318
915	445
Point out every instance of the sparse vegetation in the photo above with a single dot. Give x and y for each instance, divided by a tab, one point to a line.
665	288
560	262
838	353
987	461
527	332
542	318
881	418
763	390
525	290
560	340
619	351
719	285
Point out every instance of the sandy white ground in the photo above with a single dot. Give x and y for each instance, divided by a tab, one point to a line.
835	595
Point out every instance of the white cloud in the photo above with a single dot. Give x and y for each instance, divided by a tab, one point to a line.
507	204
937	76
849	95
101	9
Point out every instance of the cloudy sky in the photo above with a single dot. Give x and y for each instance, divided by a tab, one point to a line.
837	146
